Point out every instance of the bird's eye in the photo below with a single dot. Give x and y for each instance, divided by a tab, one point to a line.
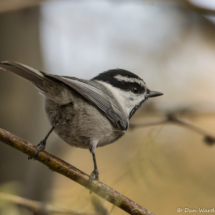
135	90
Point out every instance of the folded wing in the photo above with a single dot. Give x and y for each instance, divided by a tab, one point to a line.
52	86
97	98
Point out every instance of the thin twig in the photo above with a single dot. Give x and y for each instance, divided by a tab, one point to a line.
171	118
75	174
38	207
133	125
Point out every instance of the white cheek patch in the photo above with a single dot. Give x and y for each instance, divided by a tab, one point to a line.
130	100
127	99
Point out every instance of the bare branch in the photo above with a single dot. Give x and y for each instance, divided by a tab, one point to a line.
75	174
38	207
171	118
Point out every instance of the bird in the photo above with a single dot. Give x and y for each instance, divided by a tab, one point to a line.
87	113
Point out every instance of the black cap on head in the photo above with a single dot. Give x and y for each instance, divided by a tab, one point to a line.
121	79
108	76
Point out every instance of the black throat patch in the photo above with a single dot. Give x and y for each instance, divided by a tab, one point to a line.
135	109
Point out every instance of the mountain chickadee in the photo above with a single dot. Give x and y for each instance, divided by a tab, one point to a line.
87	113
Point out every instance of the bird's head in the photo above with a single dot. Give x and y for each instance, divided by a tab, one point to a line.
129	89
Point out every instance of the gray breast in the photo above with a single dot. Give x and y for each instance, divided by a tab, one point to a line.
79	123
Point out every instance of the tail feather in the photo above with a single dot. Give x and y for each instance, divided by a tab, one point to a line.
51	88
25	72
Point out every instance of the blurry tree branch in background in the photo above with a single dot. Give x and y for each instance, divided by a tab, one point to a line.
171	118
13	5
187	4
38	207
60	166
98	206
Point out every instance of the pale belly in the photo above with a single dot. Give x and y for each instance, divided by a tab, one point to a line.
80	125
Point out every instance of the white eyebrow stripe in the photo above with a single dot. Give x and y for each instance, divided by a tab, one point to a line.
126	79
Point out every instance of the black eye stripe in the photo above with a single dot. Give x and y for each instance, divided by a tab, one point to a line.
136	88
129	86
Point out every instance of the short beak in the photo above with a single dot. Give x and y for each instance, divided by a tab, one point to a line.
153	94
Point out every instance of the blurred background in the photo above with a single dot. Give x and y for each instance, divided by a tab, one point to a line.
170	44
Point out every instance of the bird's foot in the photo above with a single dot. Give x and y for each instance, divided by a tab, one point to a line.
40	147
94	175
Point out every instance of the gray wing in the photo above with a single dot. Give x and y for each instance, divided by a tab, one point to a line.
48	84
97	98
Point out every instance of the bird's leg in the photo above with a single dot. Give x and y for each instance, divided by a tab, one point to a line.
41	146
95	174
